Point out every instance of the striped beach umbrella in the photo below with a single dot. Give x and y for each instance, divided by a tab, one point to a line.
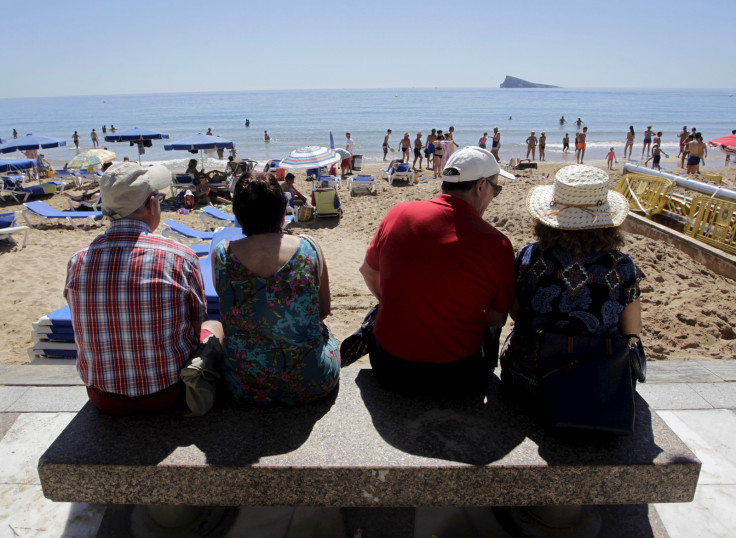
727	144
310	157
92	157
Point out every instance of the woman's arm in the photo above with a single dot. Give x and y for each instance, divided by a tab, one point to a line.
631	318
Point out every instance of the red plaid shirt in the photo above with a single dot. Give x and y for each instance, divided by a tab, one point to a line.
134	298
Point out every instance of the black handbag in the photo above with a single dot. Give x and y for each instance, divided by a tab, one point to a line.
588	381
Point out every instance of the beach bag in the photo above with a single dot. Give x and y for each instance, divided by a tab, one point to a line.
588	381
200	375
359	343
305	213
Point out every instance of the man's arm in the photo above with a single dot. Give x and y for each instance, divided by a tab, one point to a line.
372	279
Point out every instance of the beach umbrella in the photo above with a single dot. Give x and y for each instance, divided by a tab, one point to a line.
727	144
136	136
310	157
31	142
200	142
332	141
8	165
93	157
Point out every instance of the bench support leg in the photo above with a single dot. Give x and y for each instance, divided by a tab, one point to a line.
550	521
162	520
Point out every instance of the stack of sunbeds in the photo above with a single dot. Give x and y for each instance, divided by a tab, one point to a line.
53	339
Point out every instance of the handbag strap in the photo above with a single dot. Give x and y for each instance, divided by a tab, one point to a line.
320	258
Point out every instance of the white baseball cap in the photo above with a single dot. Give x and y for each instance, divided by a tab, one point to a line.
125	187
471	163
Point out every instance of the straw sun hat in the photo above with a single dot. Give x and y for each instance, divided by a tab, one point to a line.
579	199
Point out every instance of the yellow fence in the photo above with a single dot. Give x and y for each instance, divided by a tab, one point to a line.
646	194
713	221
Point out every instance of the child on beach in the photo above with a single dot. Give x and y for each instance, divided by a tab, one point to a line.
655	157
611	157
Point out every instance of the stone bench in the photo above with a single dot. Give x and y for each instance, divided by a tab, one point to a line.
363	447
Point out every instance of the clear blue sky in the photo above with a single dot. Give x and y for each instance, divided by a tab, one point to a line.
99	47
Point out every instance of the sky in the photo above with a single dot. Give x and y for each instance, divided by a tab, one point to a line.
85	47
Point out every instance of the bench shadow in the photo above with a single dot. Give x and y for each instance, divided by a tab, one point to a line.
230	434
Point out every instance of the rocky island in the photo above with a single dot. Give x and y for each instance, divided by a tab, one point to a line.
513	82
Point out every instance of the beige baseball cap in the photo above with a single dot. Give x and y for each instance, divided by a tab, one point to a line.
125	187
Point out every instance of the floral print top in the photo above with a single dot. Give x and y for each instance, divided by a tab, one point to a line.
276	348
586	294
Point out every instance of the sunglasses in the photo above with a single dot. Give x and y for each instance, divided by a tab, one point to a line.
496	187
160	196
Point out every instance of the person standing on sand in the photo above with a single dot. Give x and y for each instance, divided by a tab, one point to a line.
566	143
611	157
95	140
404	147
430	148
385	143
647	141
439	152
542	144
347	164
683	137
629	142
697	153
496	144
531	146
451	142
581	145
417	152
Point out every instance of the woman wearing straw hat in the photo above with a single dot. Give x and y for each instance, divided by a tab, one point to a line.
573	279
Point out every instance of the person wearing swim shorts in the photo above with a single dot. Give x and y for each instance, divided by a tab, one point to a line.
566	142
405	146
429	149
385	143
683	137
647	141
697	153
417	152
542	144
581	145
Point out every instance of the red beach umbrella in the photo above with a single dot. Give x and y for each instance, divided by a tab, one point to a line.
727	144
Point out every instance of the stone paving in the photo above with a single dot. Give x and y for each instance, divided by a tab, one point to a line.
697	399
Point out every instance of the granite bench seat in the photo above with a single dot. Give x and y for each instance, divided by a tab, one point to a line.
362	447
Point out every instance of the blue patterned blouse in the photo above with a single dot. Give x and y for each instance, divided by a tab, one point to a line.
585	295
276	347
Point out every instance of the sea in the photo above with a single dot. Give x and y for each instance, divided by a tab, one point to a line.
297	118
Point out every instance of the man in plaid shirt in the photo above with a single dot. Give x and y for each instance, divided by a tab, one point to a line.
137	299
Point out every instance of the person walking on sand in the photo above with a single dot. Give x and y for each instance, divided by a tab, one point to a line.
385	143
647	141
531	146
566	143
581	145
347	167
655	158
404	147
629	142
683	138
430	148
496	143
75	137
542	144
697	153
611	157
417	152
95	140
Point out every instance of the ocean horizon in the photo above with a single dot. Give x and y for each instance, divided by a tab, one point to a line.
296	118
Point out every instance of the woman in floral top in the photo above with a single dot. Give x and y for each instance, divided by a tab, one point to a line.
274	293
573	279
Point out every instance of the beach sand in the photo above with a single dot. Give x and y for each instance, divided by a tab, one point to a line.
688	311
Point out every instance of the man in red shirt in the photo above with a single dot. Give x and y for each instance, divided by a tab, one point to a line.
443	276
136	299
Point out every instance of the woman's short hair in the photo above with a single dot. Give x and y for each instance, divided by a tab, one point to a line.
579	242
259	204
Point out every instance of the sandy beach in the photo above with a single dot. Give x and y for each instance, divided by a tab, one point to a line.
688	311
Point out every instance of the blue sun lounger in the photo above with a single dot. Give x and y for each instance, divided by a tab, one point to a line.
221	218
184	234
46	212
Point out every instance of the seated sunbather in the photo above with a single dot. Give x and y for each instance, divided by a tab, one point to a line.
207	195
297	198
86	200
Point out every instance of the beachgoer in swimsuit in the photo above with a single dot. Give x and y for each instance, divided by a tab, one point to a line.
629	142
566	142
482	141
610	158
531	146
697	153
542	144
405	146
581	145
683	137
438	154
429	149
417	152
496	145
647	141
385	143
655	158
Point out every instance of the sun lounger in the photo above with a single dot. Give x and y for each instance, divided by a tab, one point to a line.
8	227
12	186
53	339
182	181
399	171
46	212
361	183
326	202
184	234
326	181
210	214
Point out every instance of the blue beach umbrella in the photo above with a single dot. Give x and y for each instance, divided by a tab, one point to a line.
137	136
200	142
31	142
8	165
332	141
